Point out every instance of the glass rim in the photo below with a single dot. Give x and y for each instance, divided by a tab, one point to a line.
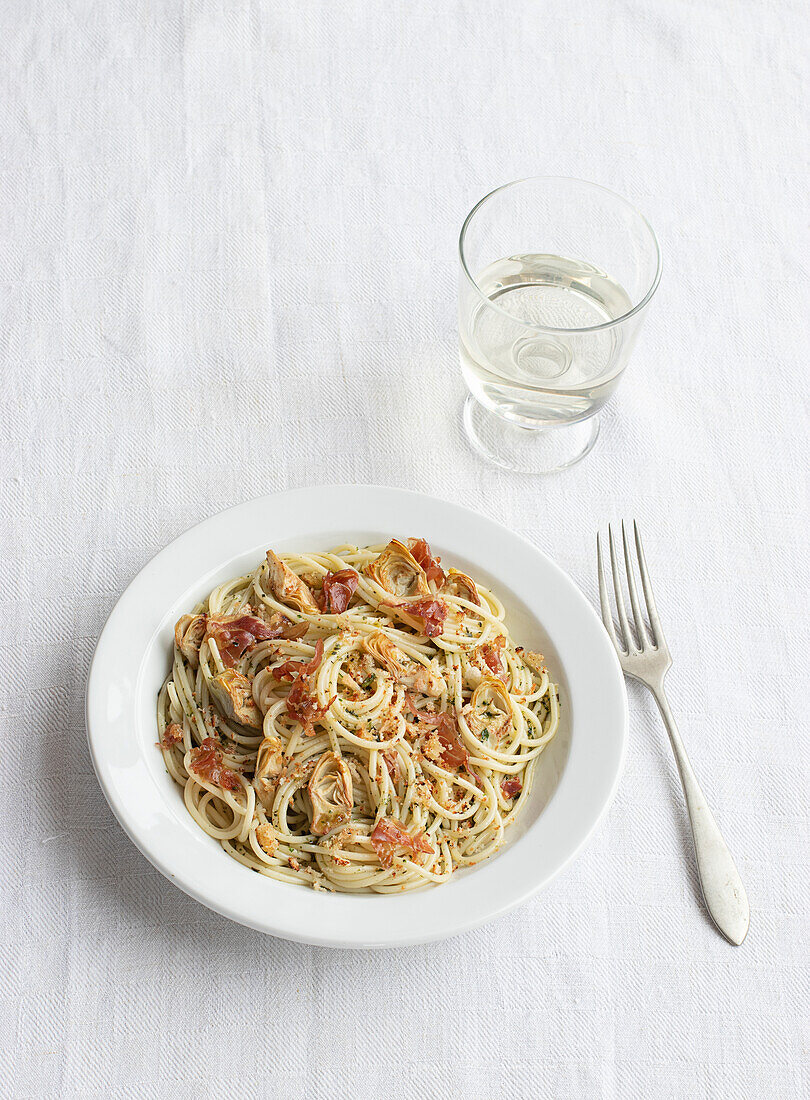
549	328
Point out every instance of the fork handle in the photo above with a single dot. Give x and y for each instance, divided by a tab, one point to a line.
722	887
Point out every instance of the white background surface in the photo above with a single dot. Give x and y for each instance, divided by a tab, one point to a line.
228	266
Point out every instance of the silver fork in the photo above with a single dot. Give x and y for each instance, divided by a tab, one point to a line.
643	654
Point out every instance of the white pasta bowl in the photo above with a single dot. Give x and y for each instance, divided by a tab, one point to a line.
574	782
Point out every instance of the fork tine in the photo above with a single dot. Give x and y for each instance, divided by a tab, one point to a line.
641	632
617	585
607	614
652	611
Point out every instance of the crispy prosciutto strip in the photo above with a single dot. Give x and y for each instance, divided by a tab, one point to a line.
426	614
304	708
454	754
338	589
206	761
172	735
422	553
388	835
391	761
291	670
491	656
284	629
301	704
432	613
511	787
236	634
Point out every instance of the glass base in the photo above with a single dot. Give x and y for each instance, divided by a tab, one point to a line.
527	450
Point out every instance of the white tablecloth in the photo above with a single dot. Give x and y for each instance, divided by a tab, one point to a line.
228	267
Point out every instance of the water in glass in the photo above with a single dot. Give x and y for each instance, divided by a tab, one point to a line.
538	377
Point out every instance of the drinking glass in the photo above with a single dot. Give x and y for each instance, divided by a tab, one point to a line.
555	279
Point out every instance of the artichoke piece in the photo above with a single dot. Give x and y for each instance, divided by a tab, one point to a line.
459	584
234	693
385	653
269	762
489	712
398	572
287	587
188	636
331	794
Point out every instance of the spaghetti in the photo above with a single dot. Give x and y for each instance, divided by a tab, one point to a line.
358	720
